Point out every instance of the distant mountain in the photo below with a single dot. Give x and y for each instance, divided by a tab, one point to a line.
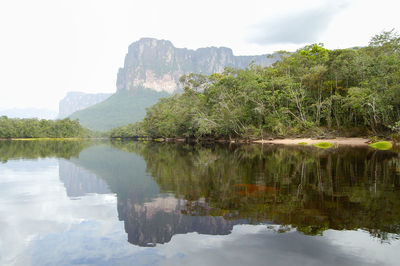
158	65
29	113
75	101
152	69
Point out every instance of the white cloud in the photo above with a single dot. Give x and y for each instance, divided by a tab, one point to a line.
299	27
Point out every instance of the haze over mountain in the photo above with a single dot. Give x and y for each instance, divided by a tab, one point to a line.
152	69
29	113
75	101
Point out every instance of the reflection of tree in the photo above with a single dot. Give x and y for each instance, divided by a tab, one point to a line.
313	190
40	149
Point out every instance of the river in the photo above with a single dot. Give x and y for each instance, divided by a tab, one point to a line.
136	203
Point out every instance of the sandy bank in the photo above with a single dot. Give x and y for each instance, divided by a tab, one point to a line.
309	141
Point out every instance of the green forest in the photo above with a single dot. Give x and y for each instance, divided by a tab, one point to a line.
311	92
34	128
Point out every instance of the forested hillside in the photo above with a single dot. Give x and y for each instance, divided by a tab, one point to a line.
313	91
119	109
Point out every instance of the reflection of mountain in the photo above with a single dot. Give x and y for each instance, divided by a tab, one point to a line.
79	181
157	221
124	172
149	218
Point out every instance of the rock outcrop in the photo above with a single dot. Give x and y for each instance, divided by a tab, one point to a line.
158	65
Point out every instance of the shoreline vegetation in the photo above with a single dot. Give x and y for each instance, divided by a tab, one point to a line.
351	141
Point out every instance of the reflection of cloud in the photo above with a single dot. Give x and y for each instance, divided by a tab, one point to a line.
40	225
90	243
298	28
33	204
257	245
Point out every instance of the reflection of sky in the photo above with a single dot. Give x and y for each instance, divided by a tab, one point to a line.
40	225
257	245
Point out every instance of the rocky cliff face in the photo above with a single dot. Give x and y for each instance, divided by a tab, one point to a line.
158	65
75	101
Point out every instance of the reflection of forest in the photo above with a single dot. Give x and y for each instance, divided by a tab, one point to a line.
308	188
21	149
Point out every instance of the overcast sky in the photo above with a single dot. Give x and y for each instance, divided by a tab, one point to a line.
50	47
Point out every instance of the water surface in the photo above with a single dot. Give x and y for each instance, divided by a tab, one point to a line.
131	203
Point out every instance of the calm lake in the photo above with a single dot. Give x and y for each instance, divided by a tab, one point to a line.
135	203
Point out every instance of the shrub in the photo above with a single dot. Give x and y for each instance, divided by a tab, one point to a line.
323	145
381	145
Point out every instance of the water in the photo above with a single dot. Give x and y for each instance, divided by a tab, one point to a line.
130	203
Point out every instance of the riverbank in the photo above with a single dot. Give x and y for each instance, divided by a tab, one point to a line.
349	141
359	141
310	141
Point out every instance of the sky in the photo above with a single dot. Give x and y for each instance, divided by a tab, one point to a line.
50	47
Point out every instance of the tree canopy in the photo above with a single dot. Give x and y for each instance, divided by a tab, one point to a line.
34	128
